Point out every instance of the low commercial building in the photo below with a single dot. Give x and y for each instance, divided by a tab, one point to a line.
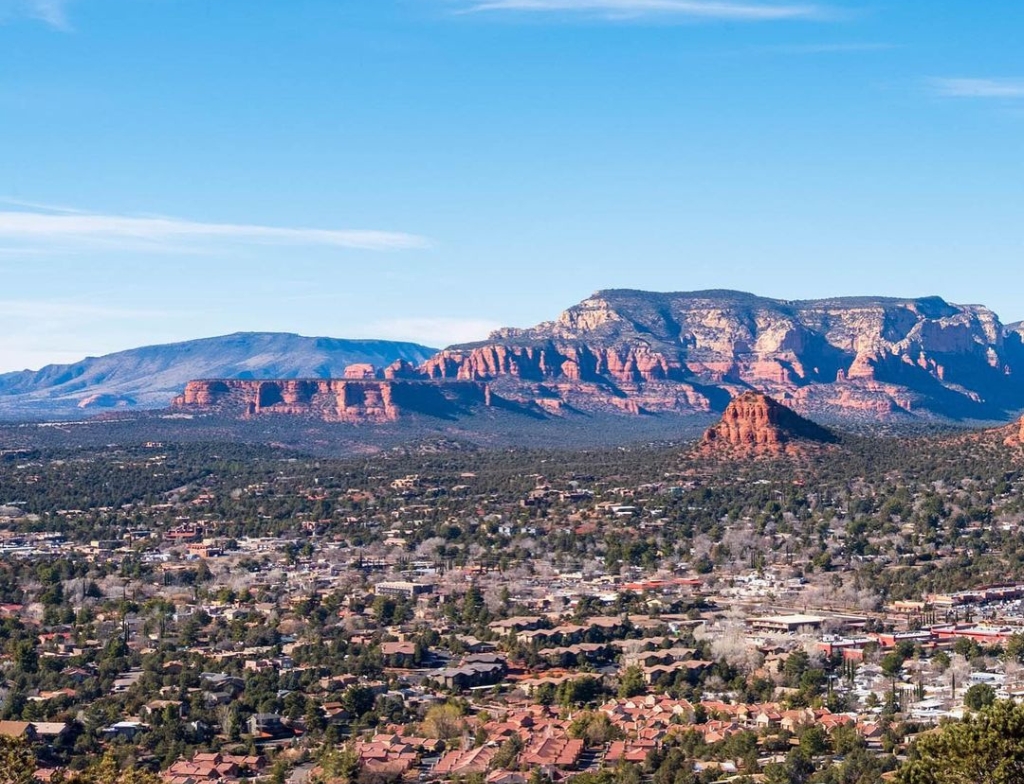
786	623
402	589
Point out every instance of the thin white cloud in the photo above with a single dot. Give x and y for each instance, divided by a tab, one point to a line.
978	88
725	10
443	331
58	227
41	206
52	12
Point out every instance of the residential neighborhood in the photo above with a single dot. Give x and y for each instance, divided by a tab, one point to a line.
309	621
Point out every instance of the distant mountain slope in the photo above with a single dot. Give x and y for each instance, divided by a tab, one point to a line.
149	377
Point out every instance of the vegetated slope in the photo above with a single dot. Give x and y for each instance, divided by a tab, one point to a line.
1015	433
149	377
494	427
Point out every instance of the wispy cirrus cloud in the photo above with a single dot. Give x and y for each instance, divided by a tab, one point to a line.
978	88
51	12
40	225
72	310
723	10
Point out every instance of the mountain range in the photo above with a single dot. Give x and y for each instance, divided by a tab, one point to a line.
849	357
623	352
149	377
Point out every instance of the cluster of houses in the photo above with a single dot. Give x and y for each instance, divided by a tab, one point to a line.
547	742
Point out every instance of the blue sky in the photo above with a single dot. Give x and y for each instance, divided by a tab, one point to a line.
431	169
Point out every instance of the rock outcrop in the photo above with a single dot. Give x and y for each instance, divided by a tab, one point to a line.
352	400
630	378
1015	433
755	424
867	357
105	401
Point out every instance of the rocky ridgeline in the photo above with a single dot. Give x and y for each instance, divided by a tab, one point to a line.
643	352
689	352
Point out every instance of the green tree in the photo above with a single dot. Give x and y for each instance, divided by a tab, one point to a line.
979	696
796	664
337	766
797	769
594	727
17	762
814	741
109	771
846	739
1015	648
443	722
279	773
578	691
25	657
632	682
892	664
987	747
358	700
508	753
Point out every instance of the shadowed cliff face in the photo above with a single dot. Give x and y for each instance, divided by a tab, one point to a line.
686	352
755	424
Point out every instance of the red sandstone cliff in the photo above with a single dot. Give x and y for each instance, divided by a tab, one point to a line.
755	424
1015	436
631	379
645	351
640	352
331	400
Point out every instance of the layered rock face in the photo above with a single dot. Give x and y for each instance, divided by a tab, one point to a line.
332	400
755	424
685	352
635	352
